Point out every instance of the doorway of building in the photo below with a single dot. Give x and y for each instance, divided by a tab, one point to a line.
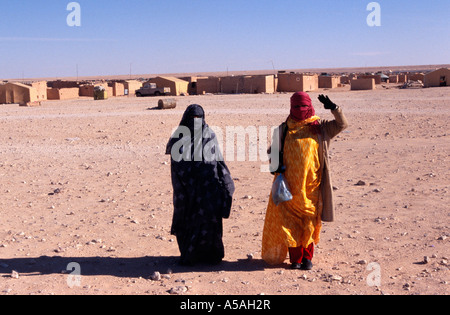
9	96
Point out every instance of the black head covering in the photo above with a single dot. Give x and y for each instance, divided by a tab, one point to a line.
192	115
192	112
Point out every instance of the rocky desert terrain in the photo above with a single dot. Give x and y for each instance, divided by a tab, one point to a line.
87	182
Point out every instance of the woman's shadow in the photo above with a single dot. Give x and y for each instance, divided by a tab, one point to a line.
119	267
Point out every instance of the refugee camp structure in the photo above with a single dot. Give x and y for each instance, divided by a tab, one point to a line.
437	78
17	93
208	85
236	84
41	89
192	84
295	82
393	78
63	94
329	82
177	86
233	85
416	77
376	77
261	84
131	86
402	78
345	79
247	84
362	84
118	88
59	84
384	78
88	89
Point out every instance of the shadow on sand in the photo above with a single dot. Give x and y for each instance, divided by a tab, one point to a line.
120	267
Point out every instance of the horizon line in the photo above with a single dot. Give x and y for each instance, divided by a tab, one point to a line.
240	72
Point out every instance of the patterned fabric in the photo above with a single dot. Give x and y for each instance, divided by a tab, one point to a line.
297	222
202	196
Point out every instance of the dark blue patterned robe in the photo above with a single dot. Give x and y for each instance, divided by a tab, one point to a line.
202	190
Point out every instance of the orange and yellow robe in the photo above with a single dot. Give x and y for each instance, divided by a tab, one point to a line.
297	222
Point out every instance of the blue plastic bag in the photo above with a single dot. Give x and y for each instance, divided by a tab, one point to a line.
280	190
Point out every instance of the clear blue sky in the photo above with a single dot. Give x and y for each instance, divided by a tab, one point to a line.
174	36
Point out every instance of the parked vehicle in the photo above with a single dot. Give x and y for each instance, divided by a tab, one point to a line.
150	89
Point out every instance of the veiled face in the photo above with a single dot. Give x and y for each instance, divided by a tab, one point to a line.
301	106
192	112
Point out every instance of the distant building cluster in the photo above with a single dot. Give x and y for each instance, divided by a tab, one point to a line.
33	93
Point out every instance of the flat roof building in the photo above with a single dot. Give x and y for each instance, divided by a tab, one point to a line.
63	93
296	82
17	93
177	86
329	82
362	84
440	77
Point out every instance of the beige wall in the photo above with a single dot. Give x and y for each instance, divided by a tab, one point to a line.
16	93
362	84
63	94
376	77
329	82
53	94
233	85
236	84
208	85
132	86
438	77
192	84
41	89
118	89
262	84
310	83
289	82
258	84
177	86
88	90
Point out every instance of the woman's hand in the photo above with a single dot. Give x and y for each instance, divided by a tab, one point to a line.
325	100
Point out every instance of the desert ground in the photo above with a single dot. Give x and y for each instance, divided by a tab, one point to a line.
88	182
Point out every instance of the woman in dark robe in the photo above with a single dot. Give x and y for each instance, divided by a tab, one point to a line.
202	189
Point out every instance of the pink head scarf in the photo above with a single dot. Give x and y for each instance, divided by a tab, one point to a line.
301	106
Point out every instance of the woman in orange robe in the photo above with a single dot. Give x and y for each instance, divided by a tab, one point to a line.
294	226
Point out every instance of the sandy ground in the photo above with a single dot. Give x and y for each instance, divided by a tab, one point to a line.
87	182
